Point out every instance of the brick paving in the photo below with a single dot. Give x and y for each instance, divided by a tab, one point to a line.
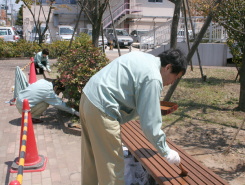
61	145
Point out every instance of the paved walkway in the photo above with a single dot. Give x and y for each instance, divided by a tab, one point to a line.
61	145
58	143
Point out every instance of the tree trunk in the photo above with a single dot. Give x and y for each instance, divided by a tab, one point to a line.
79	16
191	53
242	83
175	23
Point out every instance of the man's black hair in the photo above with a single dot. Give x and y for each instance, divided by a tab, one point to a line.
176	58
45	52
58	85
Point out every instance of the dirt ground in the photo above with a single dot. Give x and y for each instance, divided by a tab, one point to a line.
208	142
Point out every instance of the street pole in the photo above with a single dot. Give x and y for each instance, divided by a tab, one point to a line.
6	9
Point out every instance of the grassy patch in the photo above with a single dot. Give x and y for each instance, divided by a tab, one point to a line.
210	102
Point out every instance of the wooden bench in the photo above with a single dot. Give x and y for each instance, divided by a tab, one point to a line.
156	165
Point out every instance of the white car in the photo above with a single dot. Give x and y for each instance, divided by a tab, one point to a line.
65	32
123	37
34	37
89	32
136	34
181	36
8	34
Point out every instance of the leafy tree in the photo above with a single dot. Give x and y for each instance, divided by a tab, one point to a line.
231	15
94	10
77	66
196	41
37	21
19	20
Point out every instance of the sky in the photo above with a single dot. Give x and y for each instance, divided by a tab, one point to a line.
16	7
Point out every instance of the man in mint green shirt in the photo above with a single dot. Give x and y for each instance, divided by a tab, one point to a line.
41	61
40	95
129	86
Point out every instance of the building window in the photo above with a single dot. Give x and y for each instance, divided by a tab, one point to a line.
155	1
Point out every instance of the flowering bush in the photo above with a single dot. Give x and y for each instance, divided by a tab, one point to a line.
77	65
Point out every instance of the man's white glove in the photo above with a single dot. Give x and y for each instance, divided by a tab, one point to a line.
44	68
49	70
173	157
77	113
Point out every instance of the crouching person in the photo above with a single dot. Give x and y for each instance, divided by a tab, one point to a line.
40	95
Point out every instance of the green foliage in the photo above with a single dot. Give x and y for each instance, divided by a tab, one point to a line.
24	48
19	20
57	48
235	51
21	48
76	67
230	14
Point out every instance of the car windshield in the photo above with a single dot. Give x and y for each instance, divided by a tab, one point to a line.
34	30
90	33
122	32
142	32
3	32
66	31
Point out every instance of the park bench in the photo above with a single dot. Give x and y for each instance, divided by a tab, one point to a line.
160	170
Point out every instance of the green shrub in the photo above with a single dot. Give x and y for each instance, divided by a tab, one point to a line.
21	48
56	48
76	67
26	49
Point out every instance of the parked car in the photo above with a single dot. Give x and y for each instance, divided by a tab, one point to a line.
136	34
122	36
8	34
181	35
64	33
89	32
34	36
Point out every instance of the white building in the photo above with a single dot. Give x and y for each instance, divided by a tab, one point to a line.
128	14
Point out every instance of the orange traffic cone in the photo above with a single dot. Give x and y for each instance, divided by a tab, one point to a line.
33	161
32	74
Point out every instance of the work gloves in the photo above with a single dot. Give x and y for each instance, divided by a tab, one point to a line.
173	157
46	69
77	114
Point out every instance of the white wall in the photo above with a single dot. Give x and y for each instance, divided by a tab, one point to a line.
211	54
166	8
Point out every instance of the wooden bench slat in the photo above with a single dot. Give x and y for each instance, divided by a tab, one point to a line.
150	155
162	163
204	171
138	156
158	167
191	179
205	174
195	165
165	165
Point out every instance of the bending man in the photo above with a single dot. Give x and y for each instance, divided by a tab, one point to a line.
129	86
40	95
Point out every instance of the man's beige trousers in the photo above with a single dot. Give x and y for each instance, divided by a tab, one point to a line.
36	111
102	155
